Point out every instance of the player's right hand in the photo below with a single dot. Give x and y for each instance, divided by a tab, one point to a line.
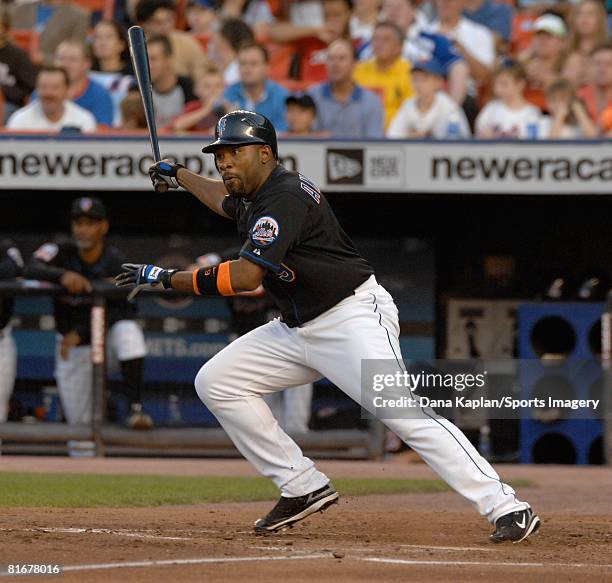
143	276
75	283
165	170
69	341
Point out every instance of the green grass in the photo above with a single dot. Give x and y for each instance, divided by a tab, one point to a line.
30	490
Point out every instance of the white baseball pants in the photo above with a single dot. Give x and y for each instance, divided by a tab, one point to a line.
292	408
272	357
8	369
125	341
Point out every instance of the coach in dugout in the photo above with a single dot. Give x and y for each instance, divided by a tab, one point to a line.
11	265
76	264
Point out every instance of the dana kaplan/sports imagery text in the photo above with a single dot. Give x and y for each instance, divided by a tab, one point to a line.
506	402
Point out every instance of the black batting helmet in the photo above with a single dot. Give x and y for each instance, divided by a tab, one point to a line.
242	128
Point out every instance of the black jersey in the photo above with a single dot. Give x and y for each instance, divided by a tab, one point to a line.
51	261
11	266
290	229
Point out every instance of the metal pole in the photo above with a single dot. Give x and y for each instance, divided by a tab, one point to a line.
98	360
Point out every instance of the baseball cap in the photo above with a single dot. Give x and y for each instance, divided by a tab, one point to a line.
552	24
88	207
208	4
432	66
302	100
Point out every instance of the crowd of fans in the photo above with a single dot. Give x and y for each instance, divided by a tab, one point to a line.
443	69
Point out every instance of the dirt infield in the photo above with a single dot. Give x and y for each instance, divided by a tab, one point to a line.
408	537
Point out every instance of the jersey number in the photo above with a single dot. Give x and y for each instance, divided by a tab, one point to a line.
310	188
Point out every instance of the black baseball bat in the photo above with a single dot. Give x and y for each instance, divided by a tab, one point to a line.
140	61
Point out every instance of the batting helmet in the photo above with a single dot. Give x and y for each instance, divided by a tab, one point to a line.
242	128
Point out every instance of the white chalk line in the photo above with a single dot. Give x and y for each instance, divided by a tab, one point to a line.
116	532
428	548
479	563
200	561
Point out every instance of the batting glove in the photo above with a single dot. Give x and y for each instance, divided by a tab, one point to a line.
166	171
143	276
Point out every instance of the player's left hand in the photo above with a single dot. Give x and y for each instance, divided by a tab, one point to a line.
143	276
165	170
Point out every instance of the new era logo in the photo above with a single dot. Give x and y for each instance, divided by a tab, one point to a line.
344	166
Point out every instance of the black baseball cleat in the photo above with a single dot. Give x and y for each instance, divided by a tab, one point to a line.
291	510
516	526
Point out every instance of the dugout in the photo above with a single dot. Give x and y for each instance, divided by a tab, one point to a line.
492	221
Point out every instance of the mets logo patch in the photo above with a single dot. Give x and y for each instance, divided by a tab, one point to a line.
264	232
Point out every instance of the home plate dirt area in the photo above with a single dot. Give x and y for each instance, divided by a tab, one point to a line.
392	537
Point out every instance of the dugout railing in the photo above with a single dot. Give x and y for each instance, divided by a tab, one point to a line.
115	439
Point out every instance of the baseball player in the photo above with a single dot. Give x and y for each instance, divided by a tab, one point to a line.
292	407
75	265
334	315
11	266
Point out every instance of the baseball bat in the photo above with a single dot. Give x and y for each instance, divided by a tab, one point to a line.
140	61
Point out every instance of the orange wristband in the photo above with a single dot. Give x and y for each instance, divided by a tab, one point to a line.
224	281
194	279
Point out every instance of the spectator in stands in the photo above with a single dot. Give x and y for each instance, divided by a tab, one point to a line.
510	115
17	73
304	19
345	109
301	116
496	16
52	110
366	14
587	30
54	20
387	73
255	13
311	40
423	45
109	49
158	18
73	56
111	64
474	42
201	16
255	91
431	113
225	44
544	59
132	112
170	91
568	119
598	95
202	115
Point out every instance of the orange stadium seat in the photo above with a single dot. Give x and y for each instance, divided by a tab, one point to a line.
181	19
28	40
522	32
203	39
281	57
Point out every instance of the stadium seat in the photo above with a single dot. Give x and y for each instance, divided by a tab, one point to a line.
28	40
203	39
281	57
522	32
